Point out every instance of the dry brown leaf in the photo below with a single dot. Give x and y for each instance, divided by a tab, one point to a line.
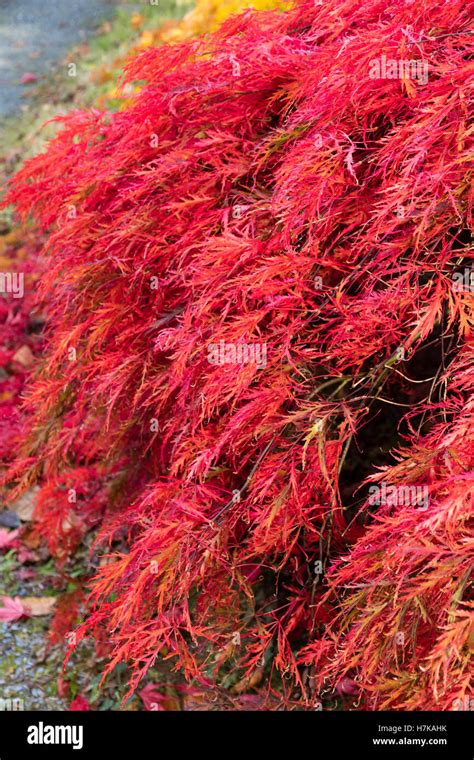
30	537
248	683
25	505
39	605
24	356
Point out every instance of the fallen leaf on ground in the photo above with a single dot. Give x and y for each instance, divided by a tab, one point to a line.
79	704
25	505
12	609
156	701
31	537
26	573
26	555
7	537
24	356
28	78
39	605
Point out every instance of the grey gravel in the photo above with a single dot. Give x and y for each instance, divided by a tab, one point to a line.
9	519
20	676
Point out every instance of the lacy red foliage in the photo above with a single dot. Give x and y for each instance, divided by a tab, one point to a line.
66	616
20	324
254	299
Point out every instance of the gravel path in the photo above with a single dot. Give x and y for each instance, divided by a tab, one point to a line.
28	669
35	33
28	672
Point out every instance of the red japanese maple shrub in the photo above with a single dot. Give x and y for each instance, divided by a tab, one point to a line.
261	306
